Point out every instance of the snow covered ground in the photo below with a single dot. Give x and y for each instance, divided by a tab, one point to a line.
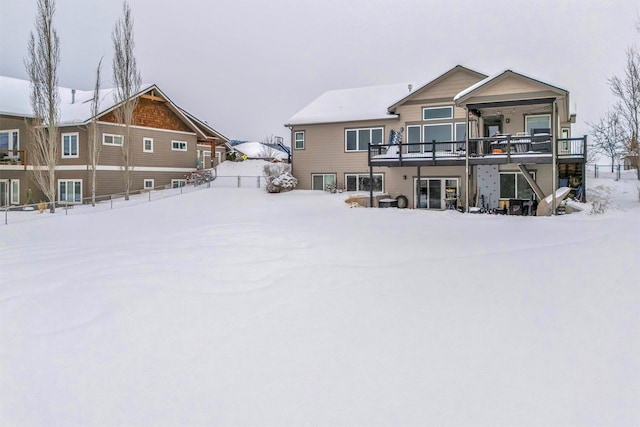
231	306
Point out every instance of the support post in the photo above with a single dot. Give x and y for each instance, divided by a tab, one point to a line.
370	179
466	164
554	156
417	191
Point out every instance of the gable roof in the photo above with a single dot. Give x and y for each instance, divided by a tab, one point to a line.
75	105
478	87
437	80
365	103
347	105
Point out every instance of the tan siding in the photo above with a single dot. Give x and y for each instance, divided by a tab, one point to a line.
83	147
162	156
324	151
448	87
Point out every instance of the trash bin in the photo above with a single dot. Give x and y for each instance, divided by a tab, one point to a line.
516	206
388	203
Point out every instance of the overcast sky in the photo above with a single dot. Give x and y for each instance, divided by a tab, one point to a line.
246	66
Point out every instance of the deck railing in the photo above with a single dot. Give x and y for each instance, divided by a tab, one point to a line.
502	146
13	157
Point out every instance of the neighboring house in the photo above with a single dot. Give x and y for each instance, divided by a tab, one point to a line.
460	140
167	143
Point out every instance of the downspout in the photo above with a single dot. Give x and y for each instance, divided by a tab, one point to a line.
554	157
466	163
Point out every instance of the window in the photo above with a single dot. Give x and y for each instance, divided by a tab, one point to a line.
298	140
359	139
321	181
514	186
361	182
537	124
438	133
147	145
149	184
177	183
69	145
70	190
109	139
178	146
15	191
437	113
461	131
9	141
414	137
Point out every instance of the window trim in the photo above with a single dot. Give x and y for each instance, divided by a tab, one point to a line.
113	136
357	131
67	181
178	183
449	107
173	145
145	181
528	116
14	192
358	175
323	175
144	145
70	156
295	140
13	143
515	173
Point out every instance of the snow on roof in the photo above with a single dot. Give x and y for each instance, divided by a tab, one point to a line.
345	105
15	101
260	150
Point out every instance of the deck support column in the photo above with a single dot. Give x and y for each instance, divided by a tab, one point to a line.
554	156
416	194
584	170
466	163
370	181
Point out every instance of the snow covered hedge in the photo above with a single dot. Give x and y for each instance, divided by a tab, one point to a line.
279	178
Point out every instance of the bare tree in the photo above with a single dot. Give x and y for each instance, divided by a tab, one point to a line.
627	90
42	68
126	79
609	136
94	136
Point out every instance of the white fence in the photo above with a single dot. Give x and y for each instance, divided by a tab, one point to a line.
37	211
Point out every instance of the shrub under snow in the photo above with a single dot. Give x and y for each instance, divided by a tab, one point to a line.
279	178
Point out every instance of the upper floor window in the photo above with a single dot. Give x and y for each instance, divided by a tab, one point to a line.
359	139
178	145
110	139
147	145
538	124
9	140
437	113
69	145
461	131
299	140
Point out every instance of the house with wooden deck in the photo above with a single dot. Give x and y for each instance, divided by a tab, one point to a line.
461	140
167	143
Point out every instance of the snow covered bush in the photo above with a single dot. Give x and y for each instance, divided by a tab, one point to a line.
199	176
279	178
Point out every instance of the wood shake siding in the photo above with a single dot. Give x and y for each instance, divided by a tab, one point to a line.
153	114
